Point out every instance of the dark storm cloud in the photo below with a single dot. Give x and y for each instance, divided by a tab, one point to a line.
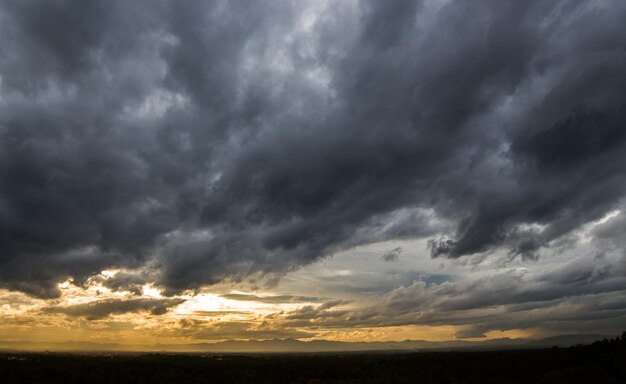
214	140
103	308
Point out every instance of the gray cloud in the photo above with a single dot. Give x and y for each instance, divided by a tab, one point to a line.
103	308
210	141
275	299
393	255
235	330
583	295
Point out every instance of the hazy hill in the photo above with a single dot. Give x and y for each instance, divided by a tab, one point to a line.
292	345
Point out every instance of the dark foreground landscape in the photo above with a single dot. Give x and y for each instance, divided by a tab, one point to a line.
602	362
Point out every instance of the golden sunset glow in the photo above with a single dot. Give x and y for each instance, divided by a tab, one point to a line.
93	313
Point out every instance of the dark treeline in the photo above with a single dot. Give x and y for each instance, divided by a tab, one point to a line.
600	362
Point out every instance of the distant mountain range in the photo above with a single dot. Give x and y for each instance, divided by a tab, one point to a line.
297	346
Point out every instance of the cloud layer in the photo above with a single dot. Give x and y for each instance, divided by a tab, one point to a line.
103	308
206	141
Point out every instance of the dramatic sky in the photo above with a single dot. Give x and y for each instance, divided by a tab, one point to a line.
350	170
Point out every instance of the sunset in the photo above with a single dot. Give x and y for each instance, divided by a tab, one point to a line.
312	176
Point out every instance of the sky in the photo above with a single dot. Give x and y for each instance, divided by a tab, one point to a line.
350	170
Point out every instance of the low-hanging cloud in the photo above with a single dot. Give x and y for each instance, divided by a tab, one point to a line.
102	308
